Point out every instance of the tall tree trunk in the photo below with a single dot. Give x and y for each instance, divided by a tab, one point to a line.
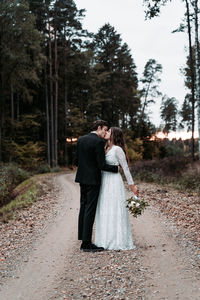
51	101
143	110
0	128
197	69
12	103
66	159
192	74
17	107
47	118
12	108
56	97
145	99
0	141
2	117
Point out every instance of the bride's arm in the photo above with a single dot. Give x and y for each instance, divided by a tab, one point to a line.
123	163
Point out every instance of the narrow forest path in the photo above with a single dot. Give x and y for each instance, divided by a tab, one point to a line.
56	269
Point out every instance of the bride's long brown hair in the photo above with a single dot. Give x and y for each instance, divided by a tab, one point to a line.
117	138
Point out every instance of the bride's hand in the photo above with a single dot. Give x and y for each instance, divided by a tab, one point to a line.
134	189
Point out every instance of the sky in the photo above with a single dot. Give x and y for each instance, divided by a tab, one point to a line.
146	39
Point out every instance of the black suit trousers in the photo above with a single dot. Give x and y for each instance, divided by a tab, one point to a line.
88	204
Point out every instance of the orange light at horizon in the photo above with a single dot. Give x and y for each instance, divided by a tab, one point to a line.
71	140
175	135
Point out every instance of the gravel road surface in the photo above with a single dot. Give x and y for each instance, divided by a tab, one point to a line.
46	262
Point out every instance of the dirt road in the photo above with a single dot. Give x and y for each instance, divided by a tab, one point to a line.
56	269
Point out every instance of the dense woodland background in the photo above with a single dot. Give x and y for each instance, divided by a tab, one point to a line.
56	78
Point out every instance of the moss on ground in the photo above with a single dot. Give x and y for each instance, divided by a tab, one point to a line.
25	194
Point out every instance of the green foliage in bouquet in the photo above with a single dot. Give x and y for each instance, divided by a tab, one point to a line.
136	205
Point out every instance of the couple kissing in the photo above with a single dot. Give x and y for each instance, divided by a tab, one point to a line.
99	157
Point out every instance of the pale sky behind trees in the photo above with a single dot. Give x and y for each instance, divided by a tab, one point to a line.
146	39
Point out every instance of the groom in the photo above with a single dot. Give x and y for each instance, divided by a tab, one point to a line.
90	159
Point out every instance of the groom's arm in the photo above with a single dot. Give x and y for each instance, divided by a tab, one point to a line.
100	155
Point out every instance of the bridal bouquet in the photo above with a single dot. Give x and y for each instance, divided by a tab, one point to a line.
136	205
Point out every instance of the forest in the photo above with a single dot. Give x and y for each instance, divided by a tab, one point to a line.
56	78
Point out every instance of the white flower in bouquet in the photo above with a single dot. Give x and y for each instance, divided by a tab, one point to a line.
136	205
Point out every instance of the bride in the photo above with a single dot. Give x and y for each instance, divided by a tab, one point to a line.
113	229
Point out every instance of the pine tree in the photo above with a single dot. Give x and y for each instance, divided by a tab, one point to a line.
115	97
150	81
169	113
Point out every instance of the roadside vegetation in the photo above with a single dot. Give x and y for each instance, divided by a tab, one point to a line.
179	172
10	176
20	188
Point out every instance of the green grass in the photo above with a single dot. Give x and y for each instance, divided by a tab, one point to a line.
10	176
28	192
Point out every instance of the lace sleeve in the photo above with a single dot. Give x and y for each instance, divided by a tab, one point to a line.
123	163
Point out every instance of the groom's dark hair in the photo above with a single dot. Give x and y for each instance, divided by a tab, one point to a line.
98	123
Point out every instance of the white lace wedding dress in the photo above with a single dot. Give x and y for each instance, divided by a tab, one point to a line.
113	229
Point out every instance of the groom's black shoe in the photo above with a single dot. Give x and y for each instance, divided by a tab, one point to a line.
97	248
91	248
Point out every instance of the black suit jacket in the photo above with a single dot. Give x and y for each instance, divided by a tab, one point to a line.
90	159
